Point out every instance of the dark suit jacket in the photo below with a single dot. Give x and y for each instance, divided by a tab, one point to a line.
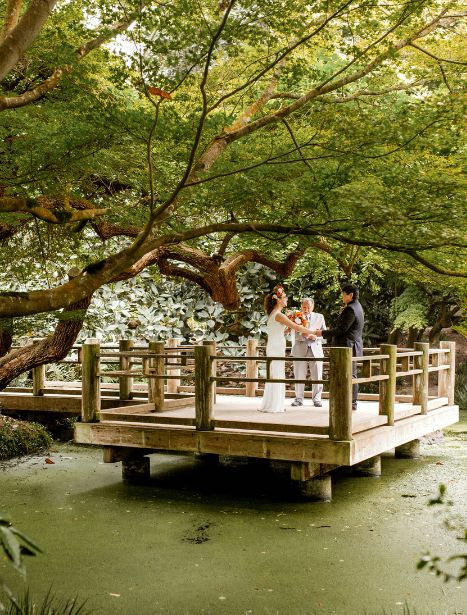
349	328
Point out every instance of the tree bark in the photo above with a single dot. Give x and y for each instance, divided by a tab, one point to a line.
53	348
23	34
6	338
13	8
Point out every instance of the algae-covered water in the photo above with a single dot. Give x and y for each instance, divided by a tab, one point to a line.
212	539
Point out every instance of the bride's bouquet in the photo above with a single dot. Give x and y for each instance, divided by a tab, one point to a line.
298	317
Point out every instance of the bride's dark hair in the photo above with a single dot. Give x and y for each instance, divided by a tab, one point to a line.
271	299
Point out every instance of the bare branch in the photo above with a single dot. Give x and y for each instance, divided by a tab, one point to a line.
14	102
53	211
431	55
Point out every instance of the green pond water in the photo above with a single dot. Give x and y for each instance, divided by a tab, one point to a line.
204	538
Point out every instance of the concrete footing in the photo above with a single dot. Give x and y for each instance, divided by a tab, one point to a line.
369	467
317	489
410	450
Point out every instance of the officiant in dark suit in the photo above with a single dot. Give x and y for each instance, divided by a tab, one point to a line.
348	330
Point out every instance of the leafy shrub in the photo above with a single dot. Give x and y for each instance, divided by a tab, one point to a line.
22	438
460	393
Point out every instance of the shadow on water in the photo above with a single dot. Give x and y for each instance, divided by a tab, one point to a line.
255	484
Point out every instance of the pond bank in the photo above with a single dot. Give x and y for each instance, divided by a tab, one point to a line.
213	539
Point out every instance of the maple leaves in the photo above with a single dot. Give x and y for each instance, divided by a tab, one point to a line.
158	92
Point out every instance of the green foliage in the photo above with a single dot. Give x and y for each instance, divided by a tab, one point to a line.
16	544
22	438
49	605
433	563
374	170
410	309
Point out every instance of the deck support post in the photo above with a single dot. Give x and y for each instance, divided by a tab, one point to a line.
446	378
340	394
387	388
309	481
172	356
91	391
204	387
409	450
369	467
156	366
136	469
420	384
125	382
251	367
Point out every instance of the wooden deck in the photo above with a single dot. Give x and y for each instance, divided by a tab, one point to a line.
152	406
299	434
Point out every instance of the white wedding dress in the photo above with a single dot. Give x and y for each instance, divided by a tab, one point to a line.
274	392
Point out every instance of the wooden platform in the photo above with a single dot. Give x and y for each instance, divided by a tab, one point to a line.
299	434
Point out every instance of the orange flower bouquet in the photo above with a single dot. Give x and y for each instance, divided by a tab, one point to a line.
298	317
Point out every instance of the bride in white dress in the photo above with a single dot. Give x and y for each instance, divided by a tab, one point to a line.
278	323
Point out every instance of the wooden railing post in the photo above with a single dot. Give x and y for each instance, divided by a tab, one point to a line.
387	388
212	344
38	374
91	381
204	388
420	383
38	380
126	382
366	369
251	367
173	383
448	377
157	367
340	393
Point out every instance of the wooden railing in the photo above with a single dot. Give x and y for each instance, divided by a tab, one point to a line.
172	369
161	363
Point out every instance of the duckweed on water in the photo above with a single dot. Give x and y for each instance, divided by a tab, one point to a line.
22	438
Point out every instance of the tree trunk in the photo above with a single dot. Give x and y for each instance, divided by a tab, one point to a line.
414	335
53	348
394	336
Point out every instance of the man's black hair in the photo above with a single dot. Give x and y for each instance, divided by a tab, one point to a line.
351	288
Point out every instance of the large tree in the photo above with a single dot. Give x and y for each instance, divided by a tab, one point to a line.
207	136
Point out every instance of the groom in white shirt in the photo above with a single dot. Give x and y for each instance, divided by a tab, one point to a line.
304	347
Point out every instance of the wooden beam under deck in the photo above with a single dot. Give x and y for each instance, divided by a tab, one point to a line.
58	404
266	445
376	441
220	441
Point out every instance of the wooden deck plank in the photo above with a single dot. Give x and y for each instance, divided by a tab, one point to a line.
241	412
243	435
